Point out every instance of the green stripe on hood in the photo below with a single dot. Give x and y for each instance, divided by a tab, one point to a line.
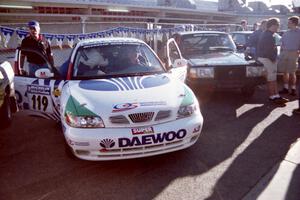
73	107
188	97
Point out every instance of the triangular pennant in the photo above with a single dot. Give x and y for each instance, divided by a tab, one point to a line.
59	40
82	37
70	40
91	35
21	35
101	34
7	33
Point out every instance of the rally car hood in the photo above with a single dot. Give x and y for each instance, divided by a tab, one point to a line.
130	95
218	59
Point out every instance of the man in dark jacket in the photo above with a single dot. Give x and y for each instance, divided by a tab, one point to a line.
267	54
254	37
35	41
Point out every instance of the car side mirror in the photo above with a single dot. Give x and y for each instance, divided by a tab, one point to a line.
43	73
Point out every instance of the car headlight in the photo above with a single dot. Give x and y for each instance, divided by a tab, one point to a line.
202	72
84	121
255	71
186	111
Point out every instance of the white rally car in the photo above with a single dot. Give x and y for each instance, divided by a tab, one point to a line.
115	99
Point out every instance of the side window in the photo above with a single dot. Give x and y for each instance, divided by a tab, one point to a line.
30	61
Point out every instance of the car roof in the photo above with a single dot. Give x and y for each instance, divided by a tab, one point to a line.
87	42
199	32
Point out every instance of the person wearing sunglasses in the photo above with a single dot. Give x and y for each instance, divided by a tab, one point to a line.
36	42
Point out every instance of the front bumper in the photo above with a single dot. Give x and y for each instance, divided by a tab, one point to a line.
225	83
122	143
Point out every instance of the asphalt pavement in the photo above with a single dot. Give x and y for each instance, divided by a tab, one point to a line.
248	149
282	181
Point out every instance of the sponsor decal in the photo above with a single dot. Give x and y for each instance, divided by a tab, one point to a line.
56	92
152	139
37	89
143	140
107	143
129	106
124	107
144	130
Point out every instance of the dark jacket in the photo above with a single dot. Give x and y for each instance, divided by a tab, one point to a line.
41	45
266	47
254	38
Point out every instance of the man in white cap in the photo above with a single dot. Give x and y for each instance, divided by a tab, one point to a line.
35	41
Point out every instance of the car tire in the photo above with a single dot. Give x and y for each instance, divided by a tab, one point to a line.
248	91
5	113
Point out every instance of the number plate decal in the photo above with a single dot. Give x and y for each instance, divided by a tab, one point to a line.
39	98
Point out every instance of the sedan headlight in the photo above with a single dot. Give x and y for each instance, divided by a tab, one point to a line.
255	71
186	111
84	121
202	72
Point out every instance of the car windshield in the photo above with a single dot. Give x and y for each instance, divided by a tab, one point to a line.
240	38
203	43
121	59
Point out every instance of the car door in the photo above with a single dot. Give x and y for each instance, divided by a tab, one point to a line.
175	62
37	95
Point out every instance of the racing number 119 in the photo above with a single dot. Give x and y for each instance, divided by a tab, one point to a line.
38	101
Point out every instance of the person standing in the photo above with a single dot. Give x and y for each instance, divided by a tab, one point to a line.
254	37
289	53
37	42
267	55
243	26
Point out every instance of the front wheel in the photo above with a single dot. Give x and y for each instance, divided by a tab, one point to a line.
5	113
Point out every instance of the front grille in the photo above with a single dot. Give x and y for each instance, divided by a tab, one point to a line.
141	117
230	73
163	114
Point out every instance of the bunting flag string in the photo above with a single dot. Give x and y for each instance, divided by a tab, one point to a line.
6	34
21	35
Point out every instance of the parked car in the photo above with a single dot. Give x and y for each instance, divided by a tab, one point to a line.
111	110
241	39
7	94
215	63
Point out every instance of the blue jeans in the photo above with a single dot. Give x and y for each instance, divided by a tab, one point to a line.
33	67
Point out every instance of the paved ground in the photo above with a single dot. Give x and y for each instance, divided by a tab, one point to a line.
242	141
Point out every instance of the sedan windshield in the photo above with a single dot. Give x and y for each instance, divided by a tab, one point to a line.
121	59
203	43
